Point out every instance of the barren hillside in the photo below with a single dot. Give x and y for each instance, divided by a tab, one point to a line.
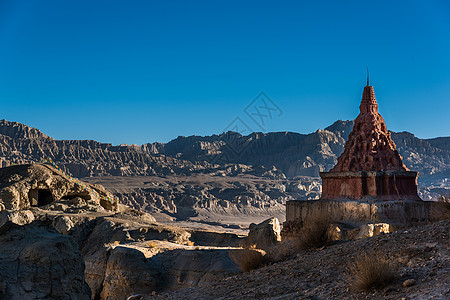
420	253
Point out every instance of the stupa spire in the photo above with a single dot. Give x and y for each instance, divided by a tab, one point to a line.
367	76
369	146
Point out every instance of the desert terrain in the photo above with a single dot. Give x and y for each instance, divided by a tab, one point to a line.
124	222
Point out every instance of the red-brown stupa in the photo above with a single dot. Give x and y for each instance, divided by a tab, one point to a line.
370	165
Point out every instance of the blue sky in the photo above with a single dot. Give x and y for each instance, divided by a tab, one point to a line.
145	71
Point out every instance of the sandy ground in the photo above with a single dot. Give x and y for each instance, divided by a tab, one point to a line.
132	182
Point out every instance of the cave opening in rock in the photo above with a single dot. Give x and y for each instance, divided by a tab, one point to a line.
40	197
72	196
44	197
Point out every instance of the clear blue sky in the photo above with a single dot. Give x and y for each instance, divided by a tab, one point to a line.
145	71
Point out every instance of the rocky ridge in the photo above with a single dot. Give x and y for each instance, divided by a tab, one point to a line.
37	262
49	253
292	154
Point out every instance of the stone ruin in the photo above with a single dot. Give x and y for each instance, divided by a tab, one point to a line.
38	185
369	187
370	165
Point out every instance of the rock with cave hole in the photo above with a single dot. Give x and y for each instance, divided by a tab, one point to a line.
37	185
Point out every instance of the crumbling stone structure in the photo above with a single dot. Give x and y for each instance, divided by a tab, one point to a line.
369	185
370	165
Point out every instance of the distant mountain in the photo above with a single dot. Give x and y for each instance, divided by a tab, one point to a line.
20	131
86	158
305	154
293	153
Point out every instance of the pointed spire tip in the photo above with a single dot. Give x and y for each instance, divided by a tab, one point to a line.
367	76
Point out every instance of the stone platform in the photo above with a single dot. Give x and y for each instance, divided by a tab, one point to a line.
351	218
384	185
366	210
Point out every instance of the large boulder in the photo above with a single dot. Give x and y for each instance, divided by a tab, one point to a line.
264	234
125	257
63	224
186	267
128	272
18	217
103	265
39	263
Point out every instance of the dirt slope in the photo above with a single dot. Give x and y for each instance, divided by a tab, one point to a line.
421	253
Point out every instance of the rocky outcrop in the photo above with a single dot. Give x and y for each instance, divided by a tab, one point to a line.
127	254
264	234
128	272
38	263
18	217
25	186
187	267
63	224
106	264
129	269
124	253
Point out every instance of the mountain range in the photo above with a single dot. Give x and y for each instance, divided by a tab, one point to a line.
275	155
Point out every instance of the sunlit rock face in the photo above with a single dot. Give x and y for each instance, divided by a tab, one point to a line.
38	185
